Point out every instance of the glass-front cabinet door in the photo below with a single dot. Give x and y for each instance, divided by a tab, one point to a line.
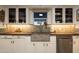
62	14
2	16
21	14
12	15
77	15
58	15
39	18
68	15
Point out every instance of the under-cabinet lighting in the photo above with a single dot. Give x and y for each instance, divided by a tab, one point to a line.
62	28
22	28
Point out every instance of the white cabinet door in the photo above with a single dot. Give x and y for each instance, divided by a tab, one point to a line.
76	44
18	45
50	47
38	47
5	45
29	47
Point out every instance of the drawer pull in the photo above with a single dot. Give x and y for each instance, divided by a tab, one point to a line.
33	44
12	42
45	44
74	42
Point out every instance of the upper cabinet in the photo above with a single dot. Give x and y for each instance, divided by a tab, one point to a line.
68	15
58	15
38	16
2	16
64	15
77	14
21	14
12	15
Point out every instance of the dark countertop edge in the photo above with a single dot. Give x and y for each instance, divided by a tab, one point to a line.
38	33
14	34
63	34
23	34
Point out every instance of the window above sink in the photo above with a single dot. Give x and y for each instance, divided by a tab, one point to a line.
40	18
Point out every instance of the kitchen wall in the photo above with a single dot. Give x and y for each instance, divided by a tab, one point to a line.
23	45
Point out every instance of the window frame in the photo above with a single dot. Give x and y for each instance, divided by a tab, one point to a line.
40	22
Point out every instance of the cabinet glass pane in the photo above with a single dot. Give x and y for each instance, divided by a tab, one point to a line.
22	15
2	15
77	15
58	15
12	15
68	15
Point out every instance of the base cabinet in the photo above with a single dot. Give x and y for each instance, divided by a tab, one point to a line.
18	45
23	44
12	44
75	44
5	45
41	47
29	48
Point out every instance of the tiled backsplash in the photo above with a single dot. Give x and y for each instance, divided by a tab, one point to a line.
24	29
20	29
29	29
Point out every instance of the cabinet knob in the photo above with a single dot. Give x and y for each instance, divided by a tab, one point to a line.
33	44
74	42
45	44
12	42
